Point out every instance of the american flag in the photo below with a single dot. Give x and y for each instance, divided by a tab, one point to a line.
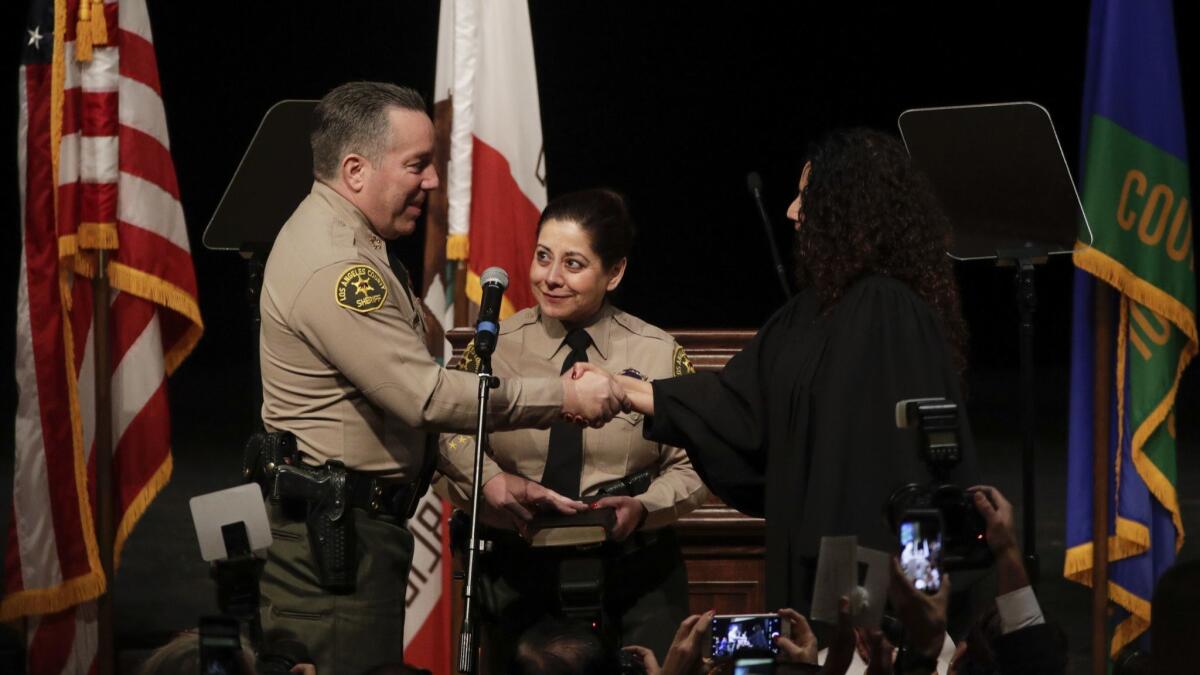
95	172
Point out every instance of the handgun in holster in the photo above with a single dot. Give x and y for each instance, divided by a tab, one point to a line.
330	521
264	452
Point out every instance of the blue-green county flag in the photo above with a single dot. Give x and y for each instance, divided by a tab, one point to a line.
1135	193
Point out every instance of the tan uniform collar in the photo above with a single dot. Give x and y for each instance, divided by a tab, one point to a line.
348	213
548	342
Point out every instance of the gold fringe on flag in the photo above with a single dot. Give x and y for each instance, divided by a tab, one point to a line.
98	235
83	32
99	24
458	247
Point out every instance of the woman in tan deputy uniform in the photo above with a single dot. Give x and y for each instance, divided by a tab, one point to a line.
584	239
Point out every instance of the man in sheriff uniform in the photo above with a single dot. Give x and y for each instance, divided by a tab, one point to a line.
347	374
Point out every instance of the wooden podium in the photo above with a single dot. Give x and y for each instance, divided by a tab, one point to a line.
723	549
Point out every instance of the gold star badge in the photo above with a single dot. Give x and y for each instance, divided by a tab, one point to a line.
360	289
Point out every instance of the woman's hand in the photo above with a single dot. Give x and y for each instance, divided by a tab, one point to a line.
685	657
640	393
630	514
649	661
511	500
801	645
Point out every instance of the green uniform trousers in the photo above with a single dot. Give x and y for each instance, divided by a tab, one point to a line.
346	633
645	593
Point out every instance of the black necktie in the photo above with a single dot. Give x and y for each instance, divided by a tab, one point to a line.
399	269
564	461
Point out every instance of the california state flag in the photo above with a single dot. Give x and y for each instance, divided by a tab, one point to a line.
484	215
495	175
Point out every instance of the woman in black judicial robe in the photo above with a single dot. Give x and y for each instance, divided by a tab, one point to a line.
800	426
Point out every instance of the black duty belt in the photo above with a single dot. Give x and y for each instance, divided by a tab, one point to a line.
380	497
268	454
361	490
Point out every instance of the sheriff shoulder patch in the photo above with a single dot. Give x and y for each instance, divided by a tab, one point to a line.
683	365
470	360
360	289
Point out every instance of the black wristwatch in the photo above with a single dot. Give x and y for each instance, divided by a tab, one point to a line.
908	661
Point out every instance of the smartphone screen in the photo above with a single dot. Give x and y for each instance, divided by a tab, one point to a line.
921	550
740	634
220	646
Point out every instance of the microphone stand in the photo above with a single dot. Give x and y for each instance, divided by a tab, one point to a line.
754	183
467	646
779	271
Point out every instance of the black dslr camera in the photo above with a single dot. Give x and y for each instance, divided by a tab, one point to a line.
964	532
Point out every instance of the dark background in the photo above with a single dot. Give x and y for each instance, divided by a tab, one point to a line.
669	102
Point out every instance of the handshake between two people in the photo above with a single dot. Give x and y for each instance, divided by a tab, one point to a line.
592	396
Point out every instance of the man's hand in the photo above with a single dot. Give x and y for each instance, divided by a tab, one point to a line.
998	514
630	513
512	497
684	656
923	615
1001	538
591	396
801	645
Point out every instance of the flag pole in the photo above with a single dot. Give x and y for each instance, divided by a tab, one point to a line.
461	315
1103	320
106	654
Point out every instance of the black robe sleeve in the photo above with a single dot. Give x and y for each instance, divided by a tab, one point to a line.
722	418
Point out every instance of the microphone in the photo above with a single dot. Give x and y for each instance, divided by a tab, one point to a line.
754	184
487	328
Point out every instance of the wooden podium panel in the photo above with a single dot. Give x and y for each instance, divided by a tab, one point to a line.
724	550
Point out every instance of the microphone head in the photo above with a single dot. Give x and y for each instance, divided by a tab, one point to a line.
495	276
754	182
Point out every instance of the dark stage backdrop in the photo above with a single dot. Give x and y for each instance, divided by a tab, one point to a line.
670	103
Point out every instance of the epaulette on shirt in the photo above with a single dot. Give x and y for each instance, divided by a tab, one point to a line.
519	320
681	363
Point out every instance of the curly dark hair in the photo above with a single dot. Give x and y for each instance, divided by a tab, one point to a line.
867	210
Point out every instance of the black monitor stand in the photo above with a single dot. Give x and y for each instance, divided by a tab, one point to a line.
273	177
1000	173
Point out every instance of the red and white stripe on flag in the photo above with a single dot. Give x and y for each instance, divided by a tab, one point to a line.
427	602
95	172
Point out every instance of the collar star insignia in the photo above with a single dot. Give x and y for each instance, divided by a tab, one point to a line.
35	37
376	242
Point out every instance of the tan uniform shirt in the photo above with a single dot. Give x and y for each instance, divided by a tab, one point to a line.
344	363
532	345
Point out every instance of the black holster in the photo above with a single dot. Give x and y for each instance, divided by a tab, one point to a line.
332	536
321	495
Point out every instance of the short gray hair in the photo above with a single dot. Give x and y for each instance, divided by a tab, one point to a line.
353	118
